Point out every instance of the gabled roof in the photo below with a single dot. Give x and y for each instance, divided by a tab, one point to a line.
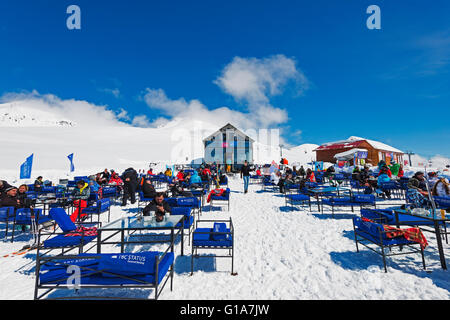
354	142
228	126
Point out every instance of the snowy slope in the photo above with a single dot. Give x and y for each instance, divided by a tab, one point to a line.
14	115
278	255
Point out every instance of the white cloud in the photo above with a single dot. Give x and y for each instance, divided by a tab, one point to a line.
115	92
249	80
141	121
254	81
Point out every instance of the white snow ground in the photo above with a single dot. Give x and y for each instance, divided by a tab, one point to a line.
280	254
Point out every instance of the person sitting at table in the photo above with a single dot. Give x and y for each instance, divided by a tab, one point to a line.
38	184
284	182
432	179
180	175
104	177
401	173
80	195
9	198
25	202
148	189
310	175
159	206
93	185
415	193
195	179
355	174
384	177
367	181
441	188
385	169
3	186
329	172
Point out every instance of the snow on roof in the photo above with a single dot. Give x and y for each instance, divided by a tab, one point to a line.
349	153
354	141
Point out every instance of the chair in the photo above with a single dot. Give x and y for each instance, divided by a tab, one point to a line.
105	271
394	187
292	199
21	217
224	197
188	219
442	202
110	192
142	198
358	200
61	240
100	206
388	217
219	237
372	233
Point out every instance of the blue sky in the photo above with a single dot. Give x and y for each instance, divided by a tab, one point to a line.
391	85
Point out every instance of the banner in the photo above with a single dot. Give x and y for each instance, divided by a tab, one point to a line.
318	165
72	167
25	168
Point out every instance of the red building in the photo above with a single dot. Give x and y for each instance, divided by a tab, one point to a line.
369	150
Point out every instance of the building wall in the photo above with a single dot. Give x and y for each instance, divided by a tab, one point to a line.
228	146
373	156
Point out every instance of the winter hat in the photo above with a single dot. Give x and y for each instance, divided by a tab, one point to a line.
9	189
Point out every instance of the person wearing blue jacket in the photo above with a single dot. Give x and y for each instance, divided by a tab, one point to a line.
195	178
383	177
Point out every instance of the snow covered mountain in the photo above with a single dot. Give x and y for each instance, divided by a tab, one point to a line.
13	115
99	140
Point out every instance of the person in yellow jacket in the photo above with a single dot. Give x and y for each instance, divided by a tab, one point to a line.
168	172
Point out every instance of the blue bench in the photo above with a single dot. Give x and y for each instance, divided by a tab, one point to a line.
442	202
372	233
100	206
102	271
358	200
292	199
224	197
61	240
21	217
219	237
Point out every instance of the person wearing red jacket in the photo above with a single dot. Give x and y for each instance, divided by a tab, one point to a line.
180	175
401	173
206	172
387	171
115	179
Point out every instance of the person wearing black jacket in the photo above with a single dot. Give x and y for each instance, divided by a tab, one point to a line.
38	184
245	174
9	198
130	183
159	206
148	189
3	186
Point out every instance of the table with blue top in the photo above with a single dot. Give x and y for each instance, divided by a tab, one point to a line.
435	220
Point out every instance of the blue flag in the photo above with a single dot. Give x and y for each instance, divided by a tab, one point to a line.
25	168
72	167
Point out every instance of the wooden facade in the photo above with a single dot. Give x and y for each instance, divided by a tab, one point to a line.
327	152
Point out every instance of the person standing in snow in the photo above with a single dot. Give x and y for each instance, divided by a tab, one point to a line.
130	182
245	174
